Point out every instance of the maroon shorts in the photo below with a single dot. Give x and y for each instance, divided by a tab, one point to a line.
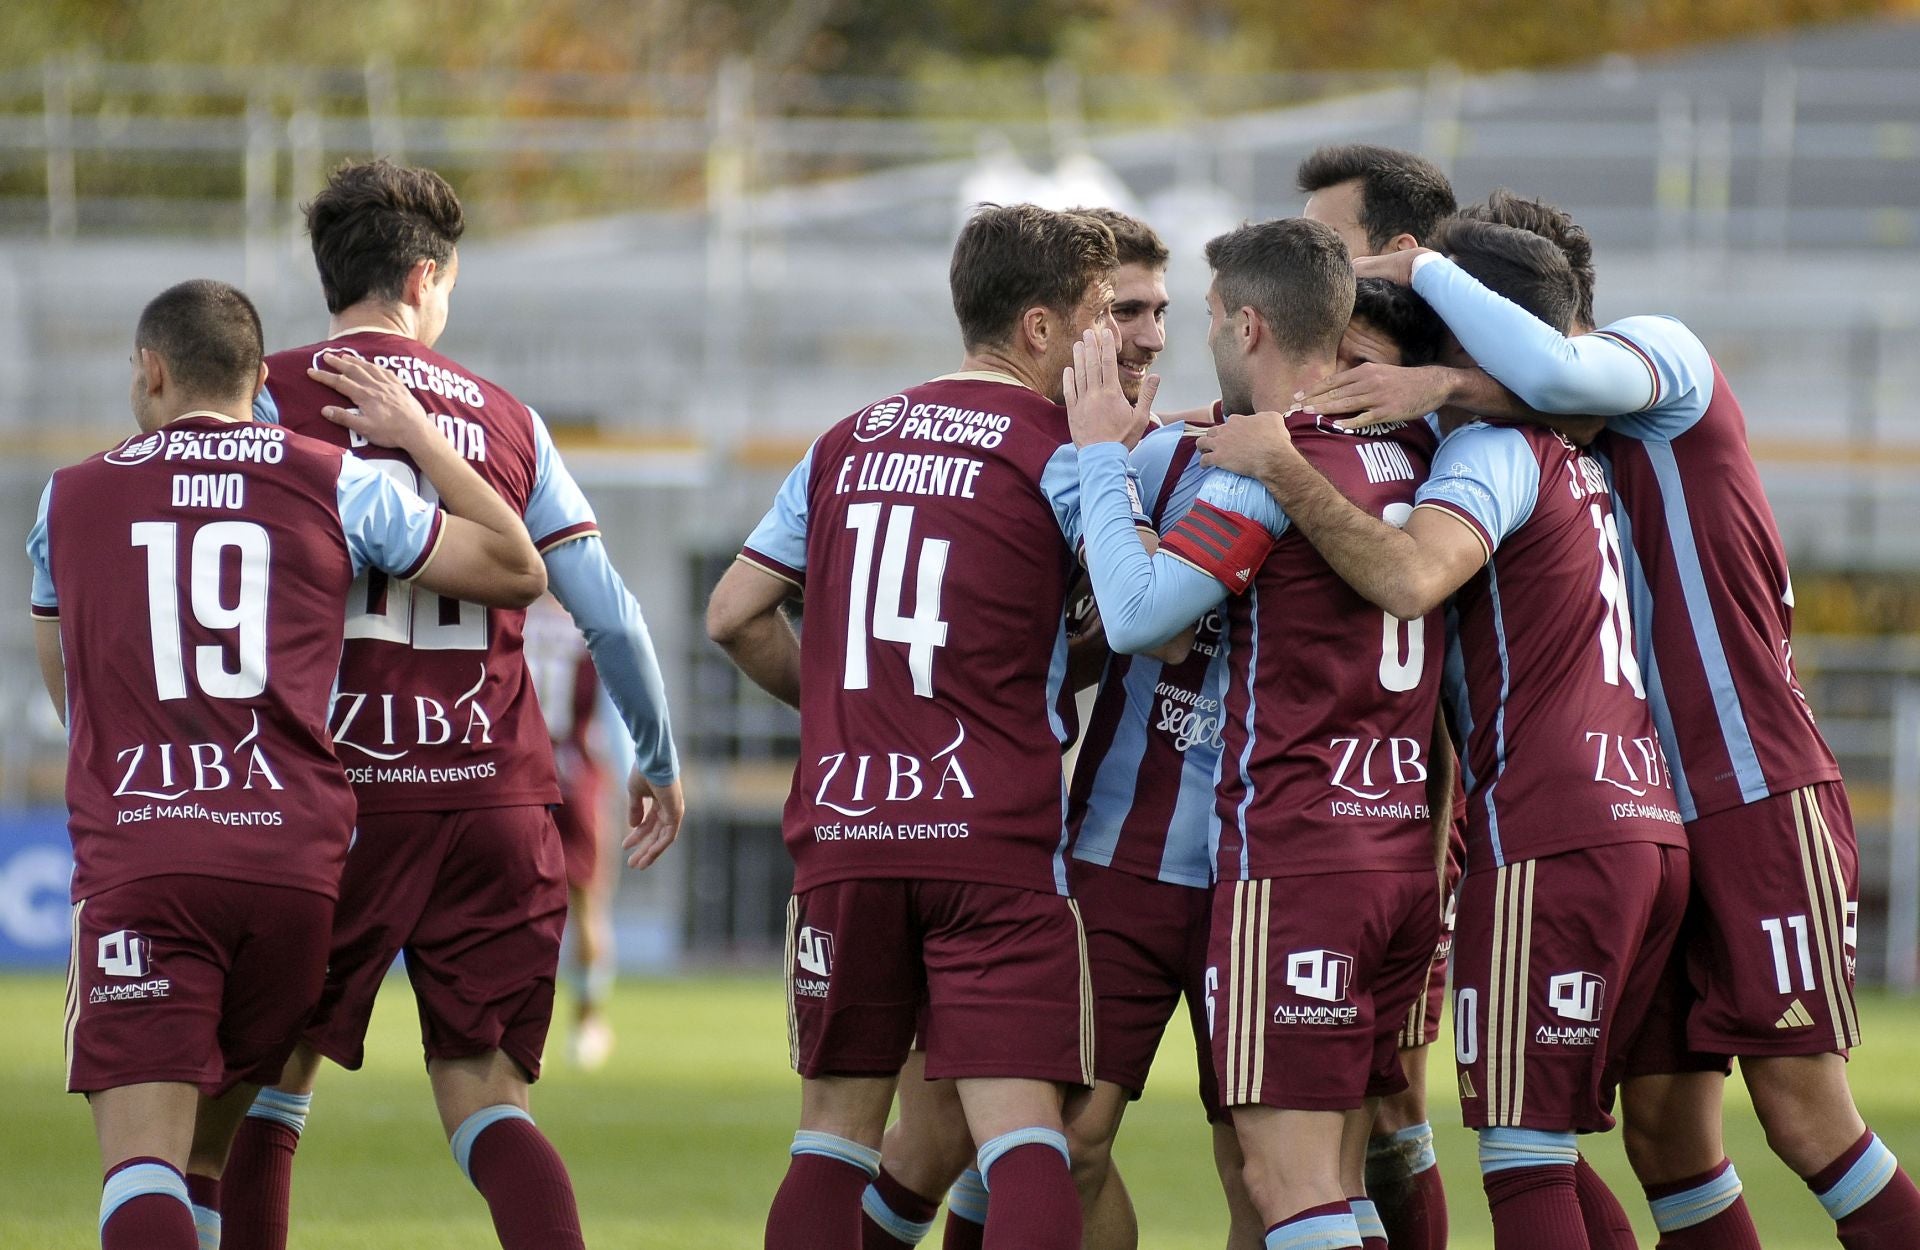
1002	971
1423	1018
477	901
1316	984
1146	946
583	792
198	980
1555	963
1776	888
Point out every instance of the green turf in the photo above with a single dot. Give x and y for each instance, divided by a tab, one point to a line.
680	1142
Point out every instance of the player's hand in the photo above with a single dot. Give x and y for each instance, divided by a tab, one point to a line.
1374	394
384	411
1253	446
655	812
1395	267
1097	409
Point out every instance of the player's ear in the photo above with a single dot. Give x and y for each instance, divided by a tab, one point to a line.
153	371
1036	329
259	382
419	279
1253	331
1401	242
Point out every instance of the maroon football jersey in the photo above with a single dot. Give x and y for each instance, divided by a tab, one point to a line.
1561	750
934	535
563	676
435	710
1702	545
199	574
1330	701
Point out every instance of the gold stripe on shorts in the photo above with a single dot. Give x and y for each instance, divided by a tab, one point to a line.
793	1015
1259	973
1506	1045
1827	916
73	988
1087	1031
1230	1084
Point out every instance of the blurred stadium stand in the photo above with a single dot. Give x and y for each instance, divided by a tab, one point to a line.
691	278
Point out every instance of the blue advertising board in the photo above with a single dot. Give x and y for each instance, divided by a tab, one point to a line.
36	864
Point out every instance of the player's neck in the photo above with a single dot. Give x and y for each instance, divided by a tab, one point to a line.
221	412
1273	390
379	316
987	360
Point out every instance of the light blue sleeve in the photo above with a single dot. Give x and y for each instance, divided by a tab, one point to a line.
1145	600
37	551
556	510
1590	375
1230	492
1060	483
1152	457
1682	374
587	585
1489	473
265	409
388	526
781	535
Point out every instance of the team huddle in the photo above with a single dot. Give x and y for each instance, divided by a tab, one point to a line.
1445	659
1448	656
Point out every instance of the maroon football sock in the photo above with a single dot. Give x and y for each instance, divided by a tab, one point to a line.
1536	1208
818	1206
257	1187
1872	1200
145	1221
1412	1204
905	1206
1608	1227
519	1173
1685	1211
963	1234
1034	1204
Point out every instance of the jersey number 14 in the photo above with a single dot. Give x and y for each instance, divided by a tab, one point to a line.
924	630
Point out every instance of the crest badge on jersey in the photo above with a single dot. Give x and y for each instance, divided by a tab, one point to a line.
137	450
880	418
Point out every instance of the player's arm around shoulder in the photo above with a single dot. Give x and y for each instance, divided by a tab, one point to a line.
482	552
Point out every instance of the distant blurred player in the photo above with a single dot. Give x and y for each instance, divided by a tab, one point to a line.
934	533
569	690
456	862
189	596
1770	962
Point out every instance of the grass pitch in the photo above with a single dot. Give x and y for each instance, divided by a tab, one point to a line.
680	1142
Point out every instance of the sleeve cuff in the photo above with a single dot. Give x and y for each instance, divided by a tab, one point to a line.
561	537
45	612
430	550
1465	518
767	564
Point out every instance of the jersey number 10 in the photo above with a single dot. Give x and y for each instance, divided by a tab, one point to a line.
924	630
246	616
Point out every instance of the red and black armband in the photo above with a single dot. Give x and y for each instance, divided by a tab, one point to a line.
1224	545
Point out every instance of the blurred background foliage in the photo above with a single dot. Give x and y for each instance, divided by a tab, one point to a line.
889	38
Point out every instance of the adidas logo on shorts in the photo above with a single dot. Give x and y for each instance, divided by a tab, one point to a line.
1795	1016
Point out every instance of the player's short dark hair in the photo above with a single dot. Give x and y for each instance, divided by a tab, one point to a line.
374	222
1402	316
1526	268
209	334
1295	273
1013	257
1549	221
1134	241
1400	193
